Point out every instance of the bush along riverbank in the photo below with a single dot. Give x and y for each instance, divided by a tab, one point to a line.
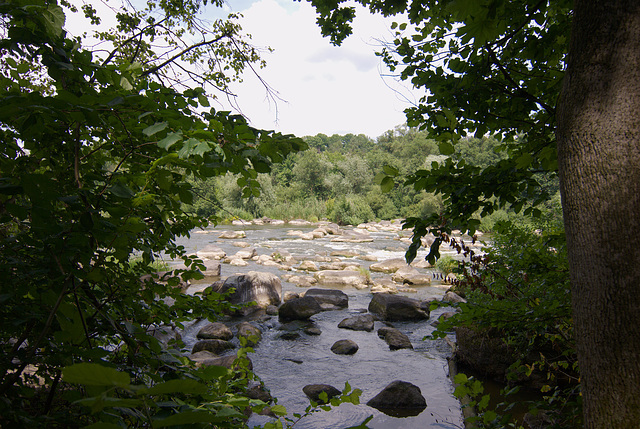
515	328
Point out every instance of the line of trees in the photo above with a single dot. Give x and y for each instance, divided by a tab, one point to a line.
336	179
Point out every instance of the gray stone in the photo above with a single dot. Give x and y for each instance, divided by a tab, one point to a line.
212	268
453	298
215	331
344	347
388	265
299	309
213	346
341	278
313	392
396	339
225	361
399	399
396	307
250	332
211	252
362	322
262	288
329	299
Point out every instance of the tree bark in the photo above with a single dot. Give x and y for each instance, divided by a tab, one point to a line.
599	162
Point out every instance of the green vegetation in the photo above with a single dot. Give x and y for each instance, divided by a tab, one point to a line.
551	80
98	153
336	180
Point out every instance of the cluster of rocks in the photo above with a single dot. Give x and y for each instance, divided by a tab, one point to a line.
339	269
216	340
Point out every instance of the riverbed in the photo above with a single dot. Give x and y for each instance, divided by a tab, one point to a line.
286	366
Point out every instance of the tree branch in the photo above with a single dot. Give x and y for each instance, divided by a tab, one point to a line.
184	51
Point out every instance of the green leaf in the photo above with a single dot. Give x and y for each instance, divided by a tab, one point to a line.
174	386
446	148
279	410
122	191
390	171
92	374
170	140
155	128
387	184
186	417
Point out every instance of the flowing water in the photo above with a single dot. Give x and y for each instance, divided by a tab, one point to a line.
286	366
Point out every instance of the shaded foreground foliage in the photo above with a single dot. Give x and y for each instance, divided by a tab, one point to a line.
95	155
518	297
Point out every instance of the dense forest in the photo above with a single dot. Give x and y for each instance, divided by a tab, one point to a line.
337	179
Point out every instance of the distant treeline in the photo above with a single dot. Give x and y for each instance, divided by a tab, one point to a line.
335	179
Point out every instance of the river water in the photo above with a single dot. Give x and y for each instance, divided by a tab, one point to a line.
287	366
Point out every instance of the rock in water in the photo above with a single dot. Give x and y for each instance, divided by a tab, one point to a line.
363	322
396	339
299	309
263	288
329	299
397	308
399	399
215	331
313	392
344	347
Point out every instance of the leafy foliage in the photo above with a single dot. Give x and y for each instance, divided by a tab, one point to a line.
96	164
519	292
487	67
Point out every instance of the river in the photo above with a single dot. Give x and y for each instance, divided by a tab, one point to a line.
287	366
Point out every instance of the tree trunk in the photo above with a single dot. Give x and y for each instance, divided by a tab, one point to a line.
599	162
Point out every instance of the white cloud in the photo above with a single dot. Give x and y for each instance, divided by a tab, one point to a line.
327	89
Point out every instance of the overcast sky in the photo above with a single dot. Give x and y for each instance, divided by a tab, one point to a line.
321	88
324	89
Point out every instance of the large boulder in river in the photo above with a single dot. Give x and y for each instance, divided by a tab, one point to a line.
341	278
329	299
299	309
396	307
233	235
388	266
263	288
399	399
363	322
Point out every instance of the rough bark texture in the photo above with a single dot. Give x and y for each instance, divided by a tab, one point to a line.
599	162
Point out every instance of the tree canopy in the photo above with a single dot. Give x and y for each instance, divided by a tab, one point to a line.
558	81
488	67
96	149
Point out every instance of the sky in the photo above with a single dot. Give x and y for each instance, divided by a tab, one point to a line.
319	88
322	88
